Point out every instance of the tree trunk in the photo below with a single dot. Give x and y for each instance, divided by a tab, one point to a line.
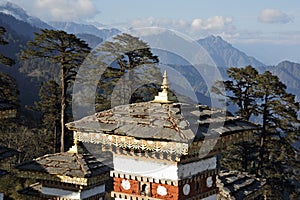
55	138
261	153
63	109
263	138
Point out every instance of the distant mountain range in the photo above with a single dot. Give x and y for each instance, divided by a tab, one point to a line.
75	28
289	74
8	10
20	14
20	28
225	55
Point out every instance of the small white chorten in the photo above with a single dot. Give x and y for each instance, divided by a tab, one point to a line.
163	97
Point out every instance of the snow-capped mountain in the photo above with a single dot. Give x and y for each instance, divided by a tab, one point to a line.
20	14
77	28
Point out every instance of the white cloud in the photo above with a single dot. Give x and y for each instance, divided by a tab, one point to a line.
217	23
159	22
61	10
274	16
197	24
195	28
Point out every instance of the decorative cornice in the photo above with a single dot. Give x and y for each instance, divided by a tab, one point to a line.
174	150
133	143
64	179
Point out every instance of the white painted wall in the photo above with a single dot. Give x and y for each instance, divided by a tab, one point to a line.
160	170
72	194
145	168
194	168
92	191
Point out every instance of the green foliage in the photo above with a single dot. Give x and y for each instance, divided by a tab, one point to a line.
127	51
8	90
40	69
49	104
30	142
10	184
273	157
241	89
127	63
278	110
277	107
3	59
241	156
65	50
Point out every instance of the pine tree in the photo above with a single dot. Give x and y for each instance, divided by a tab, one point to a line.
126	59
64	49
8	90
128	51
49	106
3	59
265	96
278	110
241	90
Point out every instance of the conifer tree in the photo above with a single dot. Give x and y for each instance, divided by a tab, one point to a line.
241	90
265	96
49	106
128	51
278	110
8	90
3	59
64	49
122	55
8	87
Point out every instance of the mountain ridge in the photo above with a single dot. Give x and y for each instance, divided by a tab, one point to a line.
20	14
225	55
76	28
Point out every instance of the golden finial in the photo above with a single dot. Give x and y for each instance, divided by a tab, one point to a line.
163	97
74	148
165	85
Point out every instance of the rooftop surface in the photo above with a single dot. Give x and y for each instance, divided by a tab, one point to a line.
6	152
239	185
66	164
168	122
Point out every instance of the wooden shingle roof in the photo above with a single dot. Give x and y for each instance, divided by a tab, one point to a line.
239	185
75	168
166	122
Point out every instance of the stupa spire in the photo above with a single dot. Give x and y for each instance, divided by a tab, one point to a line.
165	85
163	97
74	148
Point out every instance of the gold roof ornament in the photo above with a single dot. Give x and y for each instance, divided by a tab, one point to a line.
74	148
163	97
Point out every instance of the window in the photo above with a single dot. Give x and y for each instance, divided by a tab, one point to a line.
145	189
197	185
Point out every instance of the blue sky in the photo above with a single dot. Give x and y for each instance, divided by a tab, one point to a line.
268	29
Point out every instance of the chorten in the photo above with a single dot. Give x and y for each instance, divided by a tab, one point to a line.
164	95
163	149
68	175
